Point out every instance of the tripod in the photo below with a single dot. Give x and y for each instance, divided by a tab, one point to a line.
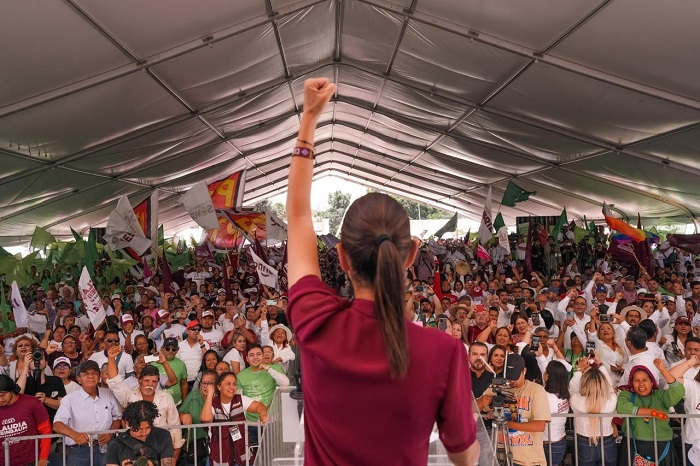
501	456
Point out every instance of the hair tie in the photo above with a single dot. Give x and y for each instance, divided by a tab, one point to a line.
381	238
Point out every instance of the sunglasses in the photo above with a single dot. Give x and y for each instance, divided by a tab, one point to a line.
197	329
171	348
112	340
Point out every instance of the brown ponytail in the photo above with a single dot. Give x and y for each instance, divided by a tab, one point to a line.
376	238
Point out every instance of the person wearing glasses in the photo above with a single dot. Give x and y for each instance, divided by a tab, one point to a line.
191	351
147	390
179	389
190	410
124	361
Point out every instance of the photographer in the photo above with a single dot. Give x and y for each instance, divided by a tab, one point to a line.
527	425
143	444
33	381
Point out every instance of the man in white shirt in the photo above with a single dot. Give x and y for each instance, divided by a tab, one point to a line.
191	350
580	317
505	308
124	361
198	276
166	329
212	336
636	343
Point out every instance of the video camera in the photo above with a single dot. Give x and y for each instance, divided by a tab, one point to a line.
503	401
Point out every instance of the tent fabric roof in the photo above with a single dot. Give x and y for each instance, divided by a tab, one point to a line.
437	100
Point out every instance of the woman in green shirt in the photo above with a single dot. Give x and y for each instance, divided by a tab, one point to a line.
642	396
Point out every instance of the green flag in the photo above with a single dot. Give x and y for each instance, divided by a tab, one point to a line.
515	194
178	260
498	222
161	236
451	225
80	248
91	254
41	238
8	326
557	226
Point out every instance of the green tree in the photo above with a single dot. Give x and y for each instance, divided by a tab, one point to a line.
338	202
418	210
276	208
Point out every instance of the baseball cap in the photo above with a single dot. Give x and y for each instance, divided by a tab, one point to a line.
127	318
509	281
61	360
514	366
193	323
207	314
171	342
601	289
41	288
87	366
682	320
629	277
163	313
221	291
552	289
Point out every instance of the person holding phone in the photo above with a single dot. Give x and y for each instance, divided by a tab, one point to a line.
373	387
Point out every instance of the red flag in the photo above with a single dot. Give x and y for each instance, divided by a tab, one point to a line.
283	270
690	243
228	193
147	273
167	276
204	253
260	251
227	281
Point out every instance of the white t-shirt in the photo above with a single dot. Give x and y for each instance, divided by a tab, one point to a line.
72	387
234	355
246	402
192	357
198	277
125	365
583	425
691	433
213	337
37	322
557	424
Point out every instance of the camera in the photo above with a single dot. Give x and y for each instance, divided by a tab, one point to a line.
535	345
420	288
503	401
605	318
143	461
535	318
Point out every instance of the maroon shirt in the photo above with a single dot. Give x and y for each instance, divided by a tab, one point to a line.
354	412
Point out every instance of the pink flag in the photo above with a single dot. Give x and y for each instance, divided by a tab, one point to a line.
482	253
147	273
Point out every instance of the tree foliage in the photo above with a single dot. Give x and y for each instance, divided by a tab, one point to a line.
276	208
418	210
338	202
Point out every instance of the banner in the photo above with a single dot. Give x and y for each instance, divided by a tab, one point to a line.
226	236
266	273
228	193
18	309
124	230
503	238
275	227
147	215
251	224
198	204
485	229
91	299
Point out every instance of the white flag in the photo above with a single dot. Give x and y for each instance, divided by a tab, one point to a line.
18	308
486	227
503	238
199	205
123	229
266	273
275	227
91	299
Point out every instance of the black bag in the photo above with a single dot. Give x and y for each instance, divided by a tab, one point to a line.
202	450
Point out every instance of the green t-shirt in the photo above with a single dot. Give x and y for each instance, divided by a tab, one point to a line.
180	371
259	386
660	399
193	405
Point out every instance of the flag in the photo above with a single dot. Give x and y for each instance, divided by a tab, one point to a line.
621	249
146	213
486	227
41	238
266	273
451	225
620	226
258	248
283	271
503	238
18	309
482	253
690	243
204	253
515	194
227	280
169	286
8	326
498	223
91	299
466	237
275	227
228	192
558	226
124	230
79	248
147	272
91	254
198	204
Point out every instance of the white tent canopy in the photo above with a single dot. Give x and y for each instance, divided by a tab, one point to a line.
584	101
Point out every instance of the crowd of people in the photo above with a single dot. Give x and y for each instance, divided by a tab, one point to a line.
599	341
210	352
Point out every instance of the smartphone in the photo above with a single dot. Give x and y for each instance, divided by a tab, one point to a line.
570	315
150	359
535	319
604	318
442	324
590	348
420	288
538	305
271	302
535	345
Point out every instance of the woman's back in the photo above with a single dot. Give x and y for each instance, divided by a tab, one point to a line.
355	413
